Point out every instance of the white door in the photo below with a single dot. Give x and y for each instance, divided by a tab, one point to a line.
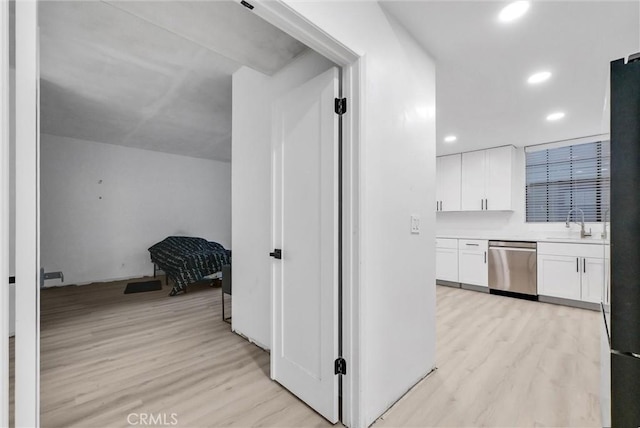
305	229
559	276
27	339
593	272
473	181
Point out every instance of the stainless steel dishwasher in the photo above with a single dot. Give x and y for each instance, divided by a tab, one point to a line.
513	267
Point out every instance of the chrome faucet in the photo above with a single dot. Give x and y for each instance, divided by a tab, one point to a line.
604	225
583	233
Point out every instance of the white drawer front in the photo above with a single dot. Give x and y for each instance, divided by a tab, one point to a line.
575	250
447	243
473	244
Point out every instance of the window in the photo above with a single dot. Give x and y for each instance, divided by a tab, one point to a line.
561	178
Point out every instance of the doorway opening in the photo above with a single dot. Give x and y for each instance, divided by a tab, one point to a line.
25	368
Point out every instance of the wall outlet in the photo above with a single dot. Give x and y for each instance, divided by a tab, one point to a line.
415	224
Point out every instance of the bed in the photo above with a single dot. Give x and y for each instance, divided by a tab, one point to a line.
186	260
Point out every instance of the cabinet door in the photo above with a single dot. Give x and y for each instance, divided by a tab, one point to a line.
473	181
447	264
473	267
606	292
449	184
559	276
592	279
439	182
498	178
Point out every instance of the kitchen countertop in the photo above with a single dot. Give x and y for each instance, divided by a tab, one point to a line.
530	237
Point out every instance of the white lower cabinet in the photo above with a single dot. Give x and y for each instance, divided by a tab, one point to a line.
571	271
559	276
447	259
472	262
592	279
606	287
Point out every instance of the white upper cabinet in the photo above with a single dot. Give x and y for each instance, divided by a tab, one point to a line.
487	179
448	176
499	164
473	181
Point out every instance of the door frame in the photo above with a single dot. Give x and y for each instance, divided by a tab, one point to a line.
279	14
27	337
4	213
352	66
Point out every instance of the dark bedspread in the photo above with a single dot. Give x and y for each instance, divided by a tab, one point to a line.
187	260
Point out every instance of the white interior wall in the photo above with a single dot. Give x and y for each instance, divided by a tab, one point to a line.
253	93
506	223
397	282
103	206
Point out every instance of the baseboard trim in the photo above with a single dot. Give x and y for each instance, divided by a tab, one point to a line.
475	288
447	283
433	369
569	302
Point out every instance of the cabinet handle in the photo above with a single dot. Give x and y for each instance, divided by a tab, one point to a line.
440	205
577	264
485	257
481	204
584	265
486	204
472	245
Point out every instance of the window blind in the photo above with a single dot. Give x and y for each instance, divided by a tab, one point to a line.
561	178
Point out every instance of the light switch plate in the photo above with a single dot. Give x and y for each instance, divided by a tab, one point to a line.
415	224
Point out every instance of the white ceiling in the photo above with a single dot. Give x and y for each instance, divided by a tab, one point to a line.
483	64
151	75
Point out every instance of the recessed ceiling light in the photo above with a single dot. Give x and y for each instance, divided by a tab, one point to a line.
513	11
450	138
555	116
539	77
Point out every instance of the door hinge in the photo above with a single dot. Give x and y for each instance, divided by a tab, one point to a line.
340	366
341	106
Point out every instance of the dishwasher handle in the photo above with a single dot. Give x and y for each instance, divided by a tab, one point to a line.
526	250
513	244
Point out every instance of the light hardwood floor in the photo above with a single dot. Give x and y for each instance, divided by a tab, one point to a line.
506	362
501	362
105	355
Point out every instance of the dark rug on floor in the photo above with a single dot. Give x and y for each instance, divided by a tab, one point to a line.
141	287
